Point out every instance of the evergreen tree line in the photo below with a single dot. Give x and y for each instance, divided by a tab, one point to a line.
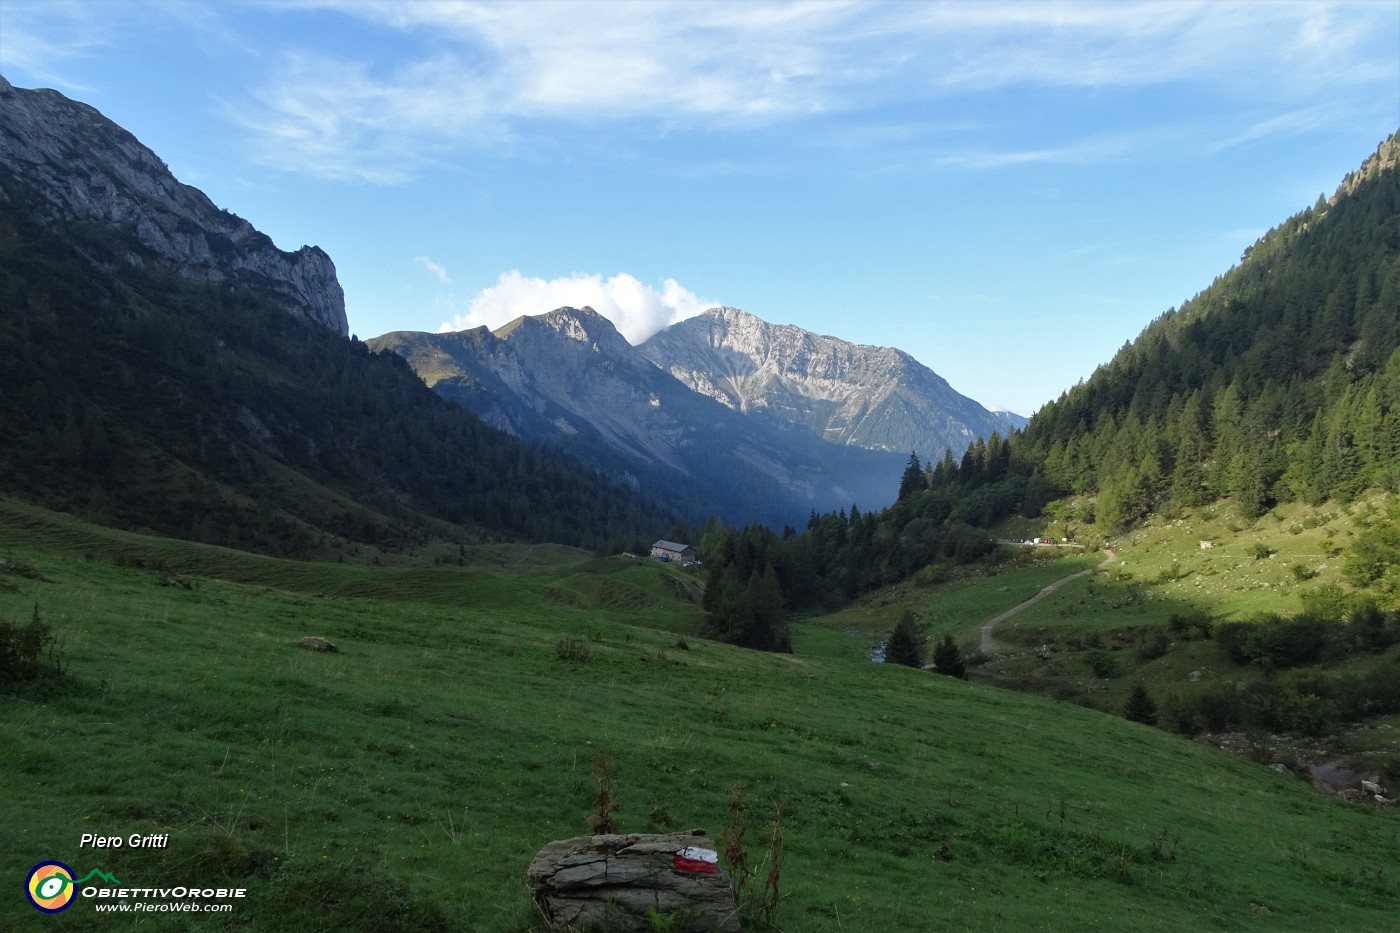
756	577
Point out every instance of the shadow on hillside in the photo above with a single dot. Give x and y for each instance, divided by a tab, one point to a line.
1096	635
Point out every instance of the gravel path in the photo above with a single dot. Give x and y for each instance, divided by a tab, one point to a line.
988	646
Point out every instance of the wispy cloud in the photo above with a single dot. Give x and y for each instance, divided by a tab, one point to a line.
434	268
724	64
1093	150
1292	123
337	119
901	78
44	38
636	309
40	39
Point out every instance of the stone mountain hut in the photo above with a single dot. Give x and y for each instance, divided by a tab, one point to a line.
672	551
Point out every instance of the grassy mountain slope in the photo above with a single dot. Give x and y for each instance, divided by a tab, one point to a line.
406	781
1166	613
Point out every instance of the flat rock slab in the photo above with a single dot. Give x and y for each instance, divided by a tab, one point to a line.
619	882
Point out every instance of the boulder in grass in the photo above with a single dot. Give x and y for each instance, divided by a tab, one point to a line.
317	643
624	882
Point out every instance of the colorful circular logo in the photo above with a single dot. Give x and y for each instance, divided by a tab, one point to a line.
50	886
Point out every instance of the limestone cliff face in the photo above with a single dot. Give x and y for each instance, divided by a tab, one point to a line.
65	163
845	393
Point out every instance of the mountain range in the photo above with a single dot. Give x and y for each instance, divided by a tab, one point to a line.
722	413
569	380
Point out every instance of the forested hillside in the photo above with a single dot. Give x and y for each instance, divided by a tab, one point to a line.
138	397
1280	381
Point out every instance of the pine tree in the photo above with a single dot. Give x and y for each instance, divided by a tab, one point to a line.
905	645
1140	707
948	660
913	479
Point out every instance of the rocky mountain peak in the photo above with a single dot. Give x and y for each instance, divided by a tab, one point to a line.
65	162
581	325
846	393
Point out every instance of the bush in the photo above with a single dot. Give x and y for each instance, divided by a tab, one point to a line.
1215	709
1102	664
1327	602
1292	707
1154	647
30	657
1182	624
1236	640
573	650
1291	642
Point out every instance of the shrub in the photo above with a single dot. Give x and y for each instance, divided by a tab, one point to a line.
1291	642
1236	640
1214	709
30	657
1102	664
571	649
1293	706
603	766
1182	624
1154	647
1327	602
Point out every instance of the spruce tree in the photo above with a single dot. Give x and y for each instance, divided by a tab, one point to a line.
1140	707
913	479
948	660
905	645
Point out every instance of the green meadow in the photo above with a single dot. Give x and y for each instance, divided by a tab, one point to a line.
405	781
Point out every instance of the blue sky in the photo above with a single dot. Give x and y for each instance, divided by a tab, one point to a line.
1007	191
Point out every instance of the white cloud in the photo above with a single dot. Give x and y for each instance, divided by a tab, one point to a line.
636	309
40	40
497	67
434	268
339	120
43	39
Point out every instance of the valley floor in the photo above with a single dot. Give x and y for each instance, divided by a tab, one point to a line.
406	780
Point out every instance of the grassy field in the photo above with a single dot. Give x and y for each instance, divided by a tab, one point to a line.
406	781
1099	635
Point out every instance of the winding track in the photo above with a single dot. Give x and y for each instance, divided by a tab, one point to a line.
988	646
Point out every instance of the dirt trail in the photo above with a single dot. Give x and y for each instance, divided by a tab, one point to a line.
988	646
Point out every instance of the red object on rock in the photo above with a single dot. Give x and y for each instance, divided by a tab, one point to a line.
696	860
